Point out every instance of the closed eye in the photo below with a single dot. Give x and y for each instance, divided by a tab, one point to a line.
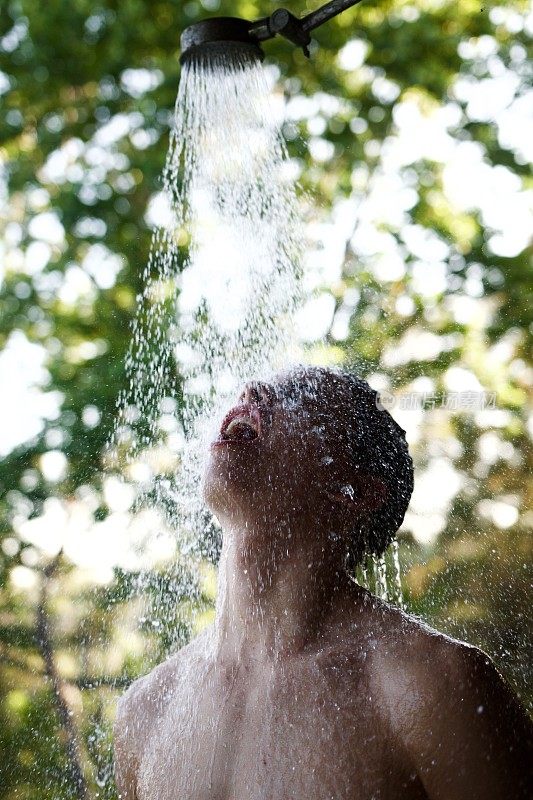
259	393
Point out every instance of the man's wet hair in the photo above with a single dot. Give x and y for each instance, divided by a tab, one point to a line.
379	450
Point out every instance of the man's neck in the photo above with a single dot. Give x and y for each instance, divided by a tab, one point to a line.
275	600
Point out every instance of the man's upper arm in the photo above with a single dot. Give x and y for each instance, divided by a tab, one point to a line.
472	740
126	762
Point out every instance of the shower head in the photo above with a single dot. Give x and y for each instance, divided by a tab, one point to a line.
230	40
219	39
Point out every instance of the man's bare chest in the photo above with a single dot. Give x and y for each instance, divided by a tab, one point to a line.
238	735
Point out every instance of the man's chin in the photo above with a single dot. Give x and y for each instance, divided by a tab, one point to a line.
229	487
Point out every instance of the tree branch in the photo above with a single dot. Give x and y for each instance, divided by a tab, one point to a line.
65	714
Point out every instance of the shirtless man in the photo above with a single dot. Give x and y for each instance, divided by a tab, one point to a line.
307	686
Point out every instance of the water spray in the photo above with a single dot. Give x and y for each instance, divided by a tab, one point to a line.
228	38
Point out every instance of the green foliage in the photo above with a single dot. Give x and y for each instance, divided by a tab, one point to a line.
65	62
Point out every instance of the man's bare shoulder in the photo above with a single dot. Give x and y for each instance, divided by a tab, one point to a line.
446	703
146	699
405	647
143	706
423	676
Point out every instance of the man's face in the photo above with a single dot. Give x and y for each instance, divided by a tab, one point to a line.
280	449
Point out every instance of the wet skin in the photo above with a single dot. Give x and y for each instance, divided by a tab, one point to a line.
307	686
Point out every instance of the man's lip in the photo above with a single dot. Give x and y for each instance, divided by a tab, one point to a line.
245	410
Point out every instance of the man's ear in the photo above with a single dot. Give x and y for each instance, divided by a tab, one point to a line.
364	492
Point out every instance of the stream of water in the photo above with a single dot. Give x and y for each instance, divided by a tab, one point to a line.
220	290
220	286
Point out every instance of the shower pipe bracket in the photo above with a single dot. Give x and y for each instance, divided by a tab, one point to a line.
298	31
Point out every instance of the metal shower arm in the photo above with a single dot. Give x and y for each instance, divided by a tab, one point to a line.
325	13
296	30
